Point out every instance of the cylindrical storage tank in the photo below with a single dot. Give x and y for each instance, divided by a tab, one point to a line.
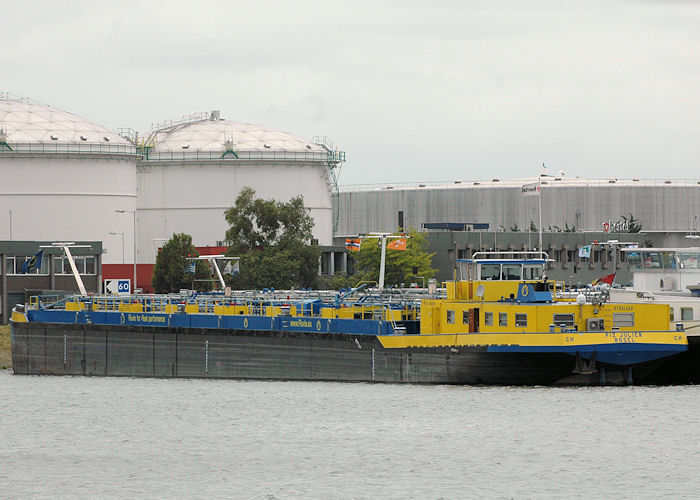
63	177
191	173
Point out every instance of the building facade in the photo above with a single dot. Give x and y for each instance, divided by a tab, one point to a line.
53	278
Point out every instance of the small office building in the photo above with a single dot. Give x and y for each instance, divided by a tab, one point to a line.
51	273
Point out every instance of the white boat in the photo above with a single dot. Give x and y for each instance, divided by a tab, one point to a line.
668	276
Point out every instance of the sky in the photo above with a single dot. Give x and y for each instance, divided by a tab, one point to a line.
412	91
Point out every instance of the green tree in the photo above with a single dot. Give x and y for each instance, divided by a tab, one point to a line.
533	227
273	240
401	266
635	227
515	228
170	272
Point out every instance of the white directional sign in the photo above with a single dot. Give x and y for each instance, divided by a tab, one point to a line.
118	287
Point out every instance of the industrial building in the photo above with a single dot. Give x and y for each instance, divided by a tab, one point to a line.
494	215
63	177
574	205
67	178
191	171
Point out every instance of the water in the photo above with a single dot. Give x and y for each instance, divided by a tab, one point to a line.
77	437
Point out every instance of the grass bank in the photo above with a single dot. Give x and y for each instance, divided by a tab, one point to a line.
5	353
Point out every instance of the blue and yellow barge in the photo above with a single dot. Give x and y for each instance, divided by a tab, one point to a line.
501	322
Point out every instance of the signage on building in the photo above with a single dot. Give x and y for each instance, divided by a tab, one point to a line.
118	287
616	227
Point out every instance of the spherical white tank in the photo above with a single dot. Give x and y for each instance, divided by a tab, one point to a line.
191	174
63	177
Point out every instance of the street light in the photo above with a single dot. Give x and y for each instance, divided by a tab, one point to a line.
133	212
122	235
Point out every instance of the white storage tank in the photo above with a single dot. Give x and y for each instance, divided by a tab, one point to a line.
63	177
191	172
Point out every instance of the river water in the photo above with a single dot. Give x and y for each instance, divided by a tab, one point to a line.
79	437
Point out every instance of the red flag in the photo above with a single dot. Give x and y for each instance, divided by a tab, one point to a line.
397	244
353	244
605	279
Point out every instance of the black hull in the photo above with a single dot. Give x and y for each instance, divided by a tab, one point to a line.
133	351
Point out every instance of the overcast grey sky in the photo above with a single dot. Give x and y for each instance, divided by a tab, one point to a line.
412	91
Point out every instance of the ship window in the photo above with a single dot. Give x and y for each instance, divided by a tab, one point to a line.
465	317
669	260
490	271
634	260
621	320
670	314
502	319
488	318
521	320
651	260
512	272
563	319
686	313
450	317
532	272
689	260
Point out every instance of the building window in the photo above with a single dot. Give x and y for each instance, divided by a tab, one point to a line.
488	318
521	319
502	319
13	265
686	313
450	317
621	320
563	319
85	264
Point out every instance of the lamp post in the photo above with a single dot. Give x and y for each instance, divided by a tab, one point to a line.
122	235
133	212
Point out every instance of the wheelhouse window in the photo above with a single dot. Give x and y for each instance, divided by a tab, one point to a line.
668	259
621	320
490	271
450	317
563	319
512	272
488	318
532	272
465	317
520	319
686	313
688	260
651	260
634	260
502	319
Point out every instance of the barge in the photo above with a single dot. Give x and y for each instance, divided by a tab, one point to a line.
501	322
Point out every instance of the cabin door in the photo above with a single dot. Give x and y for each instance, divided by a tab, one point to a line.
474	320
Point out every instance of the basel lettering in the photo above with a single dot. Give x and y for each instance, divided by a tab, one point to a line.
624	337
